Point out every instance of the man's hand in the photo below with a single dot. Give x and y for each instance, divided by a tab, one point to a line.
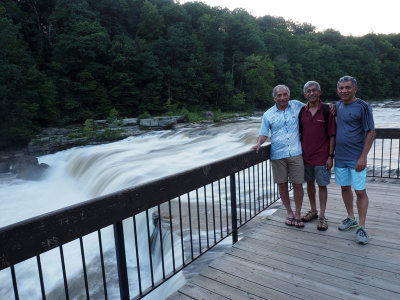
362	161
256	147
329	163
361	164
332	108
260	141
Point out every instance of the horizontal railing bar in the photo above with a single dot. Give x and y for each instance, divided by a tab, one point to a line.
387	133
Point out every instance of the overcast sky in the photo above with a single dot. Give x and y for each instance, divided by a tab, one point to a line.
352	17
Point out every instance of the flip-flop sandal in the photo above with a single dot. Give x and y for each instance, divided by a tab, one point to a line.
298	223
290	221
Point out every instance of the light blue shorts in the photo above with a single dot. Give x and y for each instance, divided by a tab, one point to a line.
349	176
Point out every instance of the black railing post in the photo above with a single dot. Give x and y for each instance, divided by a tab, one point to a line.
121	260
233	209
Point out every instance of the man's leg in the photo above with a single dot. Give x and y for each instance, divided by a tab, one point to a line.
343	178
347	196
284	193
311	195
359	183
298	199
280	173
296	177
323	197
362	206
309	176
323	178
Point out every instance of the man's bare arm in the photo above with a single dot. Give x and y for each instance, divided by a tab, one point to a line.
362	161
261	140
329	162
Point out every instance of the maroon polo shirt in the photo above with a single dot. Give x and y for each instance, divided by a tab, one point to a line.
315	141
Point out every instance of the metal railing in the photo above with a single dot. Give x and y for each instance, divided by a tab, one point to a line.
126	244
384	157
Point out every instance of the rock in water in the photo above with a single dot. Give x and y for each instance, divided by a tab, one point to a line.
33	172
27	167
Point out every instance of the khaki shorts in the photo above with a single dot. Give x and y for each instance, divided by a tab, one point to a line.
291	168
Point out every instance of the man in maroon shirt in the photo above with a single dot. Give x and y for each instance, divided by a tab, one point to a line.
318	128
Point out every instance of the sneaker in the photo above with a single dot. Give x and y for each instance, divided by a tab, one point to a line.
348	223
322	224
361	236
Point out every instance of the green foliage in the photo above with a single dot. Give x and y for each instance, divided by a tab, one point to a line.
218	116
259	75
151	23
144	115
76	134
108	134
191	116
239	101
19	101
68	61
89	128
113	117
90	131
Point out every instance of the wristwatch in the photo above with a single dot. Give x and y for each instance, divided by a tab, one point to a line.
331	155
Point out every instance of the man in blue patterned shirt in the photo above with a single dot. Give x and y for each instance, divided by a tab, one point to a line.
286	154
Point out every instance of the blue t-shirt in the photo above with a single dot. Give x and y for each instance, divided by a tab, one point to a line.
354	120
284	127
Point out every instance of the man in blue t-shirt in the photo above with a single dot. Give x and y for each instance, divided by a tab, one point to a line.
354	137
286	159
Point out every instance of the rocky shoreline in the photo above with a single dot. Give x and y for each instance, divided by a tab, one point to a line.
24	163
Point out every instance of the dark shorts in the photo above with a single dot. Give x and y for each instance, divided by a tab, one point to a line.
318	173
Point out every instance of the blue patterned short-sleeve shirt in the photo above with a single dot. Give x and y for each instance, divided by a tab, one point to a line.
284	128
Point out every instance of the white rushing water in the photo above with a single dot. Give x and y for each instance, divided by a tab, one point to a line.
82	173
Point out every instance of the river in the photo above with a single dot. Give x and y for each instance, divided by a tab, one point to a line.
82	173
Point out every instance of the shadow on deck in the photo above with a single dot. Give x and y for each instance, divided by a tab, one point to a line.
275	261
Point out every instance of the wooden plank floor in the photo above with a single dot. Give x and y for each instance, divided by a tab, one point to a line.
275	261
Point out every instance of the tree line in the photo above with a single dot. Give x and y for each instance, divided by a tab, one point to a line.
65	61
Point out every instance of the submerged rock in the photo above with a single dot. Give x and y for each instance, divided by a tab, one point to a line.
4	166
21	163
27	167
33	172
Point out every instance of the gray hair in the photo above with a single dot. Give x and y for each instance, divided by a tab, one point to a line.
310	83
348	78
280	86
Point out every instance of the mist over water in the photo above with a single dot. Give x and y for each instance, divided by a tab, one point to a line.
81	173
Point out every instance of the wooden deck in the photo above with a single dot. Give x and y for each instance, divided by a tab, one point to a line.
275	261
